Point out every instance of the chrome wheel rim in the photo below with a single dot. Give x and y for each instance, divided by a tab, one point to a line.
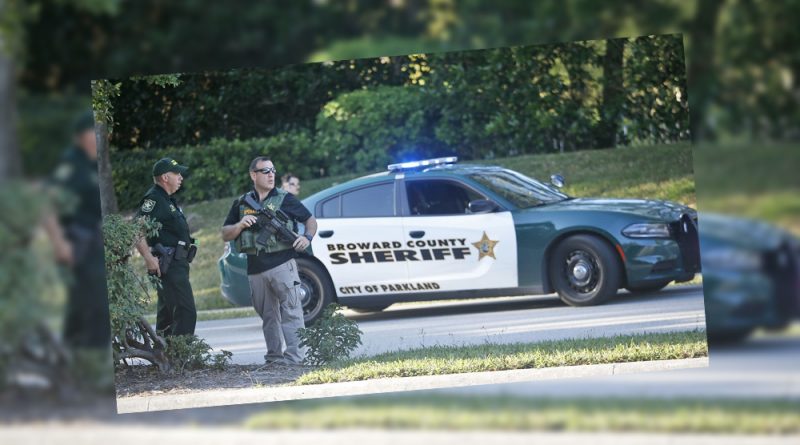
582	271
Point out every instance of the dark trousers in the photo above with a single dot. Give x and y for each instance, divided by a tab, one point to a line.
176	314
87	323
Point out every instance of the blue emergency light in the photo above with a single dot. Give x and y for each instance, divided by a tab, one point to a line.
423	163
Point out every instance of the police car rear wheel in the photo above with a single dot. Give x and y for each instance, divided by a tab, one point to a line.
584	270
316	289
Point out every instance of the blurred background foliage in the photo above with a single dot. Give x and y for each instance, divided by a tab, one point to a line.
743	79
740	58
359	115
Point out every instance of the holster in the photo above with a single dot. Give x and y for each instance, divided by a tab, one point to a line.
165	256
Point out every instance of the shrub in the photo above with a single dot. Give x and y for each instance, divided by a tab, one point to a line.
187	352
128	297
24	281
128	292
333	337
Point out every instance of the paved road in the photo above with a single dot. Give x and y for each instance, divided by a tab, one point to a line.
502	320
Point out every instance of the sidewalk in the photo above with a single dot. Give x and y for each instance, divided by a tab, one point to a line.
219	397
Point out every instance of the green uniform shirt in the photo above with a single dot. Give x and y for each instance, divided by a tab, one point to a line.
158	205
76	174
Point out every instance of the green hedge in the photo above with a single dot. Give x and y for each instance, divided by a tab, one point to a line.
358	132
217	169
366	130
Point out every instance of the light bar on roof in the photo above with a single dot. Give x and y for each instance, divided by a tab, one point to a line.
423	163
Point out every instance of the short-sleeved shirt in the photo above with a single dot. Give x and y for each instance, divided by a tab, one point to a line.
162	207
264	261
76	174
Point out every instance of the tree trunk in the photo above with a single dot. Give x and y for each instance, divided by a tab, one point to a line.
10	158
611	106
108	200
701	66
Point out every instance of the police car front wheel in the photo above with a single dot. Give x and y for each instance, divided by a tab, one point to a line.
649	287
584	270
368	309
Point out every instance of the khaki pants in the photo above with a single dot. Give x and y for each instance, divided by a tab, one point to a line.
274	295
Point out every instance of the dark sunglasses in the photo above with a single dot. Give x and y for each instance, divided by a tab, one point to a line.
266	170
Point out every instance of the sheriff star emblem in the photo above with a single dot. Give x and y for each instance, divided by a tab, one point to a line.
271	206
147	205
485	247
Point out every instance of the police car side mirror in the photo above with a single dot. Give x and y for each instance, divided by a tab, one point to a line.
557	180
483	206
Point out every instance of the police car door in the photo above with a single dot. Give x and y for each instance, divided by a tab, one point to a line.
358	233
455	250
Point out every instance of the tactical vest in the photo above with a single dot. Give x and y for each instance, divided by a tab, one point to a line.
247	242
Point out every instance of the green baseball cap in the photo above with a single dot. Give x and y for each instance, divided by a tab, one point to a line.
83	122
164	165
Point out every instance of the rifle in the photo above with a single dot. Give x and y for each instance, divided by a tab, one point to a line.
274	222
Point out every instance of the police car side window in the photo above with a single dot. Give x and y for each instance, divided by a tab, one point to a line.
438	197
377	200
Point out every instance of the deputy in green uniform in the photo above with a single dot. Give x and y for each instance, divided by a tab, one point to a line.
77	240
176	314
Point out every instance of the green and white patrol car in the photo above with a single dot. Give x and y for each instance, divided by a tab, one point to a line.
436	229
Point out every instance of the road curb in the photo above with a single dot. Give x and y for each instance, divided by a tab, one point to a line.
238	396
48	434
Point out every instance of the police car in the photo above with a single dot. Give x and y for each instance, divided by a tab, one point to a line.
436	229
751	276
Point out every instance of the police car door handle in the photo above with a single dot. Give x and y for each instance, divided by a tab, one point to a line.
417	233
325	233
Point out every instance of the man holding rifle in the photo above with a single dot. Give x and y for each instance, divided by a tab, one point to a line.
261	222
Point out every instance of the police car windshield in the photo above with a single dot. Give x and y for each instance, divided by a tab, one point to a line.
520	190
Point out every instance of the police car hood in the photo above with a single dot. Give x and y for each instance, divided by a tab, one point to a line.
647	208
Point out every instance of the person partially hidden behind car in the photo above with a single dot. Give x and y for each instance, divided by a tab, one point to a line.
271	268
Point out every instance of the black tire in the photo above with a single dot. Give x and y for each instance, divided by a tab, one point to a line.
316	289
584	270
366	310
650	287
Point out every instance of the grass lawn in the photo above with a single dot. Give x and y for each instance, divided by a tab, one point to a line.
656	172
660	172
449	412
440	360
